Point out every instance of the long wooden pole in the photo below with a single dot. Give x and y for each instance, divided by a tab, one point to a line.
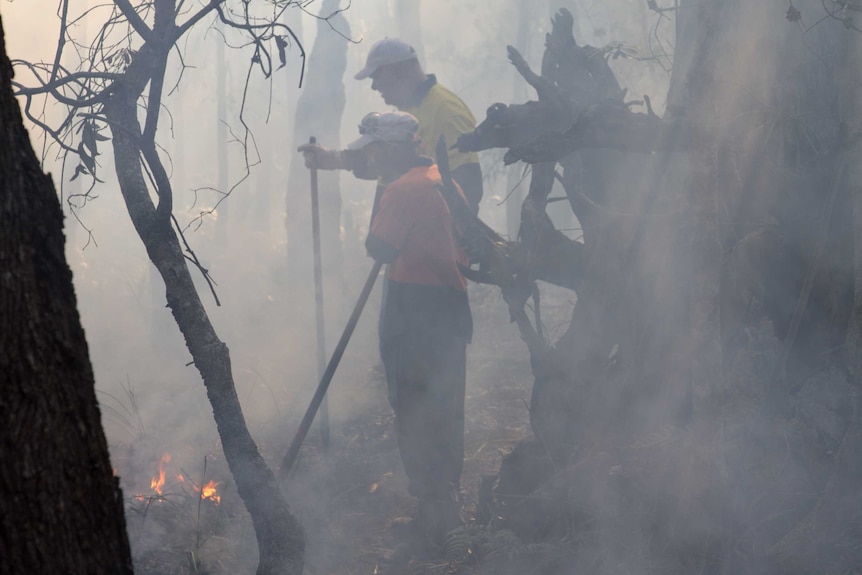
318	300
305	424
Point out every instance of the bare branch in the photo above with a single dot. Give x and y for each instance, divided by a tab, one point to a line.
197	17
61	40
134	19
192	257
51	88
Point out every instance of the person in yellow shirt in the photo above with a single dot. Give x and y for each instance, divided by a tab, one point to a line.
396	73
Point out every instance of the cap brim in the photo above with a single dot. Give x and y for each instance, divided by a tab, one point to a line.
366	72
361	142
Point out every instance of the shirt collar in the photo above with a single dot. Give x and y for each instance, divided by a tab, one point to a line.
422	91
420	161
423	161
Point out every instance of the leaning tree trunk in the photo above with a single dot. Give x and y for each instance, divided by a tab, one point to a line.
279	535
61	507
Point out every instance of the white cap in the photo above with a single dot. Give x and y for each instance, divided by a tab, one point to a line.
385	52
392	127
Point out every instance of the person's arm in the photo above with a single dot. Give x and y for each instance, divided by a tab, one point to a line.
317	156
391	225
357	162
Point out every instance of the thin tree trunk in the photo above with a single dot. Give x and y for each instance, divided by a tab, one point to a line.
279	535
61	506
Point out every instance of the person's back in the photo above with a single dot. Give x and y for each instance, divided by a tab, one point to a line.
426	288
442	113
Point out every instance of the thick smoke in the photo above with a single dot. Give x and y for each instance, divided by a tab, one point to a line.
731	446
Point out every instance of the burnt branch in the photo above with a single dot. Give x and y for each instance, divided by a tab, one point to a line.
610	125
134	19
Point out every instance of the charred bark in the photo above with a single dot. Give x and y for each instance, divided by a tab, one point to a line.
61	506
715	301
529	131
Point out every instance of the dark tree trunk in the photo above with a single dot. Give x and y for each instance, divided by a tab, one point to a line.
716	324
61	508
279	535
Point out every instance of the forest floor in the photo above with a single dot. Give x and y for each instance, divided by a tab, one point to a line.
347	495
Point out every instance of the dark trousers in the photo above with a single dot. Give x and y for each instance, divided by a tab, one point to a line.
426	372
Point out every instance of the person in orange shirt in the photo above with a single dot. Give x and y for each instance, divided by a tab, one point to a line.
426	321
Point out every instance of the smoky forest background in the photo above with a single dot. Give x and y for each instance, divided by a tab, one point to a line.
664	376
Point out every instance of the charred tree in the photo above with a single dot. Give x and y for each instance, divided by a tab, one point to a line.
717	316
61	505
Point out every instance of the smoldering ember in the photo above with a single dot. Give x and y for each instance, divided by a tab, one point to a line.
539	287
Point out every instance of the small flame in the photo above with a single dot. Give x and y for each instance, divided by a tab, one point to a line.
209	492
158	482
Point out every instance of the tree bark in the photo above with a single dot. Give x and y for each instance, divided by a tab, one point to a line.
61	508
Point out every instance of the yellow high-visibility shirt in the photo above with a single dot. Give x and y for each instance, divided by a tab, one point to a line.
440	111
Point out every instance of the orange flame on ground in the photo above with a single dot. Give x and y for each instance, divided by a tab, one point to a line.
209	491
157	483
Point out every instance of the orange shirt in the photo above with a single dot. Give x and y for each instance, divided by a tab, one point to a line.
414	219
